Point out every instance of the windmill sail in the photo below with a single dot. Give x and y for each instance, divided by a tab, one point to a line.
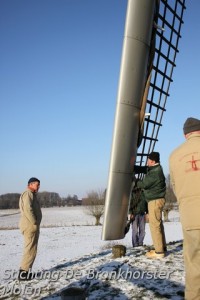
148	58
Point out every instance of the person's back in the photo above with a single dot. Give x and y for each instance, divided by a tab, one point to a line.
185	171
184	166
154	183
138	202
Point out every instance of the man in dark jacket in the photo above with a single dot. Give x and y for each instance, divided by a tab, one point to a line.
138	210
154	187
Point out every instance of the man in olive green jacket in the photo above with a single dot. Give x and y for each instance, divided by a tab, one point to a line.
154	188
30	220
185	178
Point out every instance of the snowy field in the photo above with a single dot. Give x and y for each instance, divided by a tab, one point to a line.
71	253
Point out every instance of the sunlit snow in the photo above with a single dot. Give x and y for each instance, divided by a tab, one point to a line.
71	253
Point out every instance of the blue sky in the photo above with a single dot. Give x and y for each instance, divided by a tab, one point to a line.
59	70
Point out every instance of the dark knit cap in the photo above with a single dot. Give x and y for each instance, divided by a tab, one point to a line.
190	125
33	179
154	156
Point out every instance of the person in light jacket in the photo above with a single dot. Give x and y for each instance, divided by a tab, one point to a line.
29	225
184	166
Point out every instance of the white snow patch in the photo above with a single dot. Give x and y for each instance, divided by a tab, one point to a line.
75	255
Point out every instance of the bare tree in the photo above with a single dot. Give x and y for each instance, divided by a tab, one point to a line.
94	205
170	200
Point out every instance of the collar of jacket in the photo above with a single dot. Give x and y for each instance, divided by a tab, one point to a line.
154	166
31	191
193	134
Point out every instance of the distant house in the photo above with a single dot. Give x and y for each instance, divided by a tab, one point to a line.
70	201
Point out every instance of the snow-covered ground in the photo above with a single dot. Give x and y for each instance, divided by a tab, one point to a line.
71	253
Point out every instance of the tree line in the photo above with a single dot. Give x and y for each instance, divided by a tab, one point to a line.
47	199
93	203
